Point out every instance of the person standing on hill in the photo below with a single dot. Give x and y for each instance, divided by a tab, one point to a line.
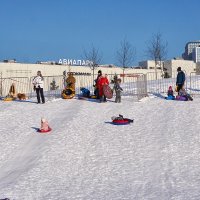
180	79
118	90
103	80
96	90
38	83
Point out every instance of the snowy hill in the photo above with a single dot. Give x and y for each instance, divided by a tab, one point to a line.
86	157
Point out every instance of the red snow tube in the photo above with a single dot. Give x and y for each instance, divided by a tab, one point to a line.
121	121
43	131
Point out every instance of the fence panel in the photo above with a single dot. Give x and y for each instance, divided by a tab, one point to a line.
134	85
85	81
141	86
21	85
161	85
53	86
194	87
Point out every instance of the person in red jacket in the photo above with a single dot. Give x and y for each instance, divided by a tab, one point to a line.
103	80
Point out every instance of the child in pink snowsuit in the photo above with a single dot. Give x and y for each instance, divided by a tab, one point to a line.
44	125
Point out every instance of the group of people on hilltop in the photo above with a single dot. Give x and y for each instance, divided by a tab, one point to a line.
102	80
182	94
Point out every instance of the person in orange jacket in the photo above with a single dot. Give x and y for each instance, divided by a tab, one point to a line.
103	80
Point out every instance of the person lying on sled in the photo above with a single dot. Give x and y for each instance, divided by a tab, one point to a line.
121	118
85	92
183	94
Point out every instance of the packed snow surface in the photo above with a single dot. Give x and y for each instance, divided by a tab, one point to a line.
86	157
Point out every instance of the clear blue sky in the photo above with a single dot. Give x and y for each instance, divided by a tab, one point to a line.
33	30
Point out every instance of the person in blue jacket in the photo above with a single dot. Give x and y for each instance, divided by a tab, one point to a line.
85	92
180	79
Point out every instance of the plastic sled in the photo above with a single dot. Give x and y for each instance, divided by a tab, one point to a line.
43	131
8	99
120	122
123	121
93	97
107	91
170	98
88	98
181	98
68	93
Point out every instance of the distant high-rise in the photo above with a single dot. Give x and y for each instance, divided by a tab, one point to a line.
196	54
187	55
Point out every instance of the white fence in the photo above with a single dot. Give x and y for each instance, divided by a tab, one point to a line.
133	85
137	85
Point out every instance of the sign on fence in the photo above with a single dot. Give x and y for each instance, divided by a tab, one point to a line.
129	75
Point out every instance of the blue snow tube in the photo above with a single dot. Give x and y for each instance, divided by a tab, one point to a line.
170	97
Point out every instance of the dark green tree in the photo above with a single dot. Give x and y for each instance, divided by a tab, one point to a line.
53	85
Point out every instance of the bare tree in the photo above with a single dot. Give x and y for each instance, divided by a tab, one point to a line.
94	57
125	55
157	50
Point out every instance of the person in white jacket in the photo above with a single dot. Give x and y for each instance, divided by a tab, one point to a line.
38	83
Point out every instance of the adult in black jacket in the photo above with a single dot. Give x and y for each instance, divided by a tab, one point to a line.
180	79
96	90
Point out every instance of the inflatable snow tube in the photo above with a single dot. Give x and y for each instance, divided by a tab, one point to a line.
121	121
170	98
181	98
8	99
68	93
43	131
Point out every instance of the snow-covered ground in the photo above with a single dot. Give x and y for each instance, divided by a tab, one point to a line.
85	157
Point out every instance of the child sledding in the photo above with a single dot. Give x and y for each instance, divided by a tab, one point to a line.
121	120
44	126
182	95
170	94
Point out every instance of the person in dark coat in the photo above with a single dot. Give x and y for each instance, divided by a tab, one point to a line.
180	79
96	90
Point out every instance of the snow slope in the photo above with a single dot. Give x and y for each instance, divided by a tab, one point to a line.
86	157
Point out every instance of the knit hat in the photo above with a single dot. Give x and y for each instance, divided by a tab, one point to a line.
179	69
43	120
